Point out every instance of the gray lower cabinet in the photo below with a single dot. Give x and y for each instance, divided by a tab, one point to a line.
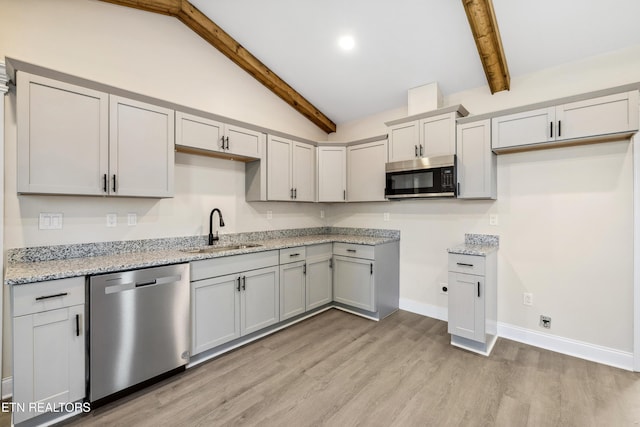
233	296
472	316
366	278
48	346
293	272
319	278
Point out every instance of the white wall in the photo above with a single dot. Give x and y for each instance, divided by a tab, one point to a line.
565	218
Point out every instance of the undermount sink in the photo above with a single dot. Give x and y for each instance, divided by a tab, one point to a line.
213	249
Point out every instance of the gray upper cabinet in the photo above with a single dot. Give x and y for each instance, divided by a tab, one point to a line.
213	136
61	150
404	141
438	135
332	174
291	167
476	163
603	117
366	171
78	141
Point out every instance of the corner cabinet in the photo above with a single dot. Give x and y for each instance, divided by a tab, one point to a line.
78	141
48	344
473	301
332	174
209	135
366	171
476	163
366	278
600	118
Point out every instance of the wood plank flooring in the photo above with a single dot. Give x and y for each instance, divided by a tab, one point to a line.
337	369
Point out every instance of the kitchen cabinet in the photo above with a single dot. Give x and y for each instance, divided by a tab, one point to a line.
78	141
424	135
476	163
291	167
293	272
48	344
366	278
332	174
233	296
141	149
472	313
595	118
217	137
366	171
319	289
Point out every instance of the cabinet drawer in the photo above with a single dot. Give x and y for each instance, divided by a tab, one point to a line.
320	250
50	295
288	255
468	264
221	266
354	250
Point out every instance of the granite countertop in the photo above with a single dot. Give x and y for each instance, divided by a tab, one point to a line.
476	244
23	270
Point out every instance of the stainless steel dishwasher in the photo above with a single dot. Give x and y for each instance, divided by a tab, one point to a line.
138	327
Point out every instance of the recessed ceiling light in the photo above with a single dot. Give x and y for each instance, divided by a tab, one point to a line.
346	42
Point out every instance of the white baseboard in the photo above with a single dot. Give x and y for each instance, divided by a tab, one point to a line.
583	350
7	388
440	313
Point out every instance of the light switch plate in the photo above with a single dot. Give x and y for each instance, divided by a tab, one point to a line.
269	214
50	221
112	220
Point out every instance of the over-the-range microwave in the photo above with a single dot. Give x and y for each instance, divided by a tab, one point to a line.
421	177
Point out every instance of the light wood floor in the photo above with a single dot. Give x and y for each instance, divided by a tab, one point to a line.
337	369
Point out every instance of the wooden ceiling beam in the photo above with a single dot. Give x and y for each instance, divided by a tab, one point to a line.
484	27
218	38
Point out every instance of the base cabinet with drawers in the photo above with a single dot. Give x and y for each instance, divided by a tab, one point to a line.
233	296
472	320
366	278
48	345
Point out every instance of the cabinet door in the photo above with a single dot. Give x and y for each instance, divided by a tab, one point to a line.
353	282
63	137
292	289
259	299
279	151
141	146
404	141
366	171
438	135
476	167
466	306
599	116
319	282
332	174
50	363
199	132
244	142
530	127
215	312
304	172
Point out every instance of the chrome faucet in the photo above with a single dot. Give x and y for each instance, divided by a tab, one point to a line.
215	238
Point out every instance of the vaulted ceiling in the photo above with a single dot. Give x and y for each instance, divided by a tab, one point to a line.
402	44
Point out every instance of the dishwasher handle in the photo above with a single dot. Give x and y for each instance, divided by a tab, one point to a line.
127	286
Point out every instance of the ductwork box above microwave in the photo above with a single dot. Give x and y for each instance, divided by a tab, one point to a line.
424	98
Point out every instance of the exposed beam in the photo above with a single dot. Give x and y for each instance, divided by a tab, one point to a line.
218	38
484	27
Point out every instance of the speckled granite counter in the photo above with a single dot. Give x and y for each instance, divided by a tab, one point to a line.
29	265
476	244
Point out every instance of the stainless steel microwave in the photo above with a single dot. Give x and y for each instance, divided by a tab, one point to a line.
421	177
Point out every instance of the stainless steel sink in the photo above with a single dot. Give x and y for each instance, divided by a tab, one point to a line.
214	249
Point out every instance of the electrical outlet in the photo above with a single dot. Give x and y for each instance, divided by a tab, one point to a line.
112	220
132	219
527	298
545	321
493	219
386	216
444	288
321	213
269	214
